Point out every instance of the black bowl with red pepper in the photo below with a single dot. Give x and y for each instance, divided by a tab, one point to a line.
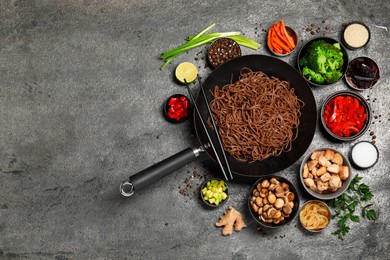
176	108
345	115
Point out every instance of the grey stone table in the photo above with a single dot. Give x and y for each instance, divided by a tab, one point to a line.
80	112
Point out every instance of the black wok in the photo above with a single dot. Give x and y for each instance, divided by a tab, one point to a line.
240	170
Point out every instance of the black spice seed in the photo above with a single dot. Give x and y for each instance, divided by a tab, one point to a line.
372	133
374	137
223	50
312	33
373	142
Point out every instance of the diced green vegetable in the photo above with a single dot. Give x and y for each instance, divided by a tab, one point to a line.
214	192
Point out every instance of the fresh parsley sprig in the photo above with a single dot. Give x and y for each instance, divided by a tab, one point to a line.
345	206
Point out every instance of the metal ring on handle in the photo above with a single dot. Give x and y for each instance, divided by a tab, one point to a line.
126	185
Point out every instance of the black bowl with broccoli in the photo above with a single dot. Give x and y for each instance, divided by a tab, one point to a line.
322	61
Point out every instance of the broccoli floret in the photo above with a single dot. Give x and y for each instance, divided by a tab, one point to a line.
313	76
303	62
314	45
332	76
317	61
324	59
337	45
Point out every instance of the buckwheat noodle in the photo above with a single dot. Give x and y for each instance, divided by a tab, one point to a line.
257	116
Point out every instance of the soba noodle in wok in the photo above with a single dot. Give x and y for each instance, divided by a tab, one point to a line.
257	116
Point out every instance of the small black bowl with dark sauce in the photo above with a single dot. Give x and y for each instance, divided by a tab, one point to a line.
362	73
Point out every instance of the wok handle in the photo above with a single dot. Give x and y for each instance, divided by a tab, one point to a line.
158	171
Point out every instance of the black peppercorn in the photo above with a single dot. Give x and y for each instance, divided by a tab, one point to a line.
222	50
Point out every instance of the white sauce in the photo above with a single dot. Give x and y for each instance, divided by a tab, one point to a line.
356	35
364	154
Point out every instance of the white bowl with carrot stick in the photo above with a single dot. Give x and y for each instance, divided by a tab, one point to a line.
281	39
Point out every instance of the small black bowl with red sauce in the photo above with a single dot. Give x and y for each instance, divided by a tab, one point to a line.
345	115
176	109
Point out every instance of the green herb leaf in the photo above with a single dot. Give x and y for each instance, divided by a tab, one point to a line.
354	218
346	205
351	207
366	196
371	214
356	179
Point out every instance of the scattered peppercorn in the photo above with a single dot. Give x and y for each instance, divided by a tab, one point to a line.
193	180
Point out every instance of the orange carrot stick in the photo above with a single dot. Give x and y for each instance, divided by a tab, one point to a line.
278	49
282	38
272	44
269	40
282	35
277	40
289	38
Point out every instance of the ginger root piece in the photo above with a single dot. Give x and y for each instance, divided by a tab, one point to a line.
231	217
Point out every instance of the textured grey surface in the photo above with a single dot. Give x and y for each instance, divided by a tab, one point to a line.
80	99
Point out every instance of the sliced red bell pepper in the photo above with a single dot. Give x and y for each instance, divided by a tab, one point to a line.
344	115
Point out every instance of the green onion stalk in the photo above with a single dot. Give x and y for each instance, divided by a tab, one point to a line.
202	38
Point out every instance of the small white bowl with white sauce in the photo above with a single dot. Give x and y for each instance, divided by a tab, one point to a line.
364	155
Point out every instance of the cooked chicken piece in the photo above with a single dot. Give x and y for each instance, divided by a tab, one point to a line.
335	182
334	168
329	154
321	171
337	159
310	183
314	172
323	161
344	172
325	177
305	171
315	155
312	164
322	186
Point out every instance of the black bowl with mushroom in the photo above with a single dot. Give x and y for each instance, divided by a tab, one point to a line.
273	201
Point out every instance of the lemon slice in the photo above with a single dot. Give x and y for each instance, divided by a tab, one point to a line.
186	72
